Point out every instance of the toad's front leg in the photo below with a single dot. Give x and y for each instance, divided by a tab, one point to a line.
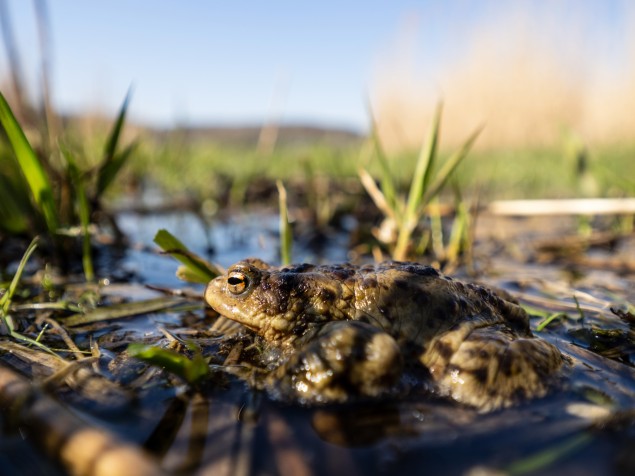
343	360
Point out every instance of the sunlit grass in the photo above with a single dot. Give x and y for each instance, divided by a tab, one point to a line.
405	214
205	168
50	190
6	299
191	370
33	171
193	268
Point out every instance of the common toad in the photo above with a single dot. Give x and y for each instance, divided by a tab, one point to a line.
344	331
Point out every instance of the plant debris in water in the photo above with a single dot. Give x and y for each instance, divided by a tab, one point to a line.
122	358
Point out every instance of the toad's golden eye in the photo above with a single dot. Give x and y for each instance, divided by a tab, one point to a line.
237	282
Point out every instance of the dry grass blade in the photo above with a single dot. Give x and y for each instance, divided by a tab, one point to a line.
63	333
459	238
286	236
119	311
376	195
559	304
436	231
53	371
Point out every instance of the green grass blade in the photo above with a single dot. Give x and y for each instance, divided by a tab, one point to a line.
425	164
5	300
190	276
198	268
32	169
84	212
436	231
112	162
110	169
192	371
15	207
115	133
376	195
458	235
450	166
548	320
418	187
286	235
33	342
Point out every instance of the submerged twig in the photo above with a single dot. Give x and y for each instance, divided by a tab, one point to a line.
80	449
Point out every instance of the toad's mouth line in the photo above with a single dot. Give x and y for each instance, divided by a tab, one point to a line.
233	314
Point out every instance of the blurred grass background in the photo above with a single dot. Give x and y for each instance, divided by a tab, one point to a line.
557	111
557	114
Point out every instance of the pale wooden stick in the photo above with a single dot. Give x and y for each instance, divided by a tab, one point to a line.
574	206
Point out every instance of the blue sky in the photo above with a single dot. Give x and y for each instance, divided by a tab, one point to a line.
240	62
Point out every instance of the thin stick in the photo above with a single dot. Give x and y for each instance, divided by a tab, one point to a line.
577	206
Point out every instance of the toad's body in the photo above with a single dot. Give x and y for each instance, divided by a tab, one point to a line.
345	330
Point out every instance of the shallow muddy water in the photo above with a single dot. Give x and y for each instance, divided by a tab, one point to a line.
222	241
586	427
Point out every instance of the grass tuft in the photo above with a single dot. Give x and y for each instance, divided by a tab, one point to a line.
49	191
428	180
113	161
6	298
